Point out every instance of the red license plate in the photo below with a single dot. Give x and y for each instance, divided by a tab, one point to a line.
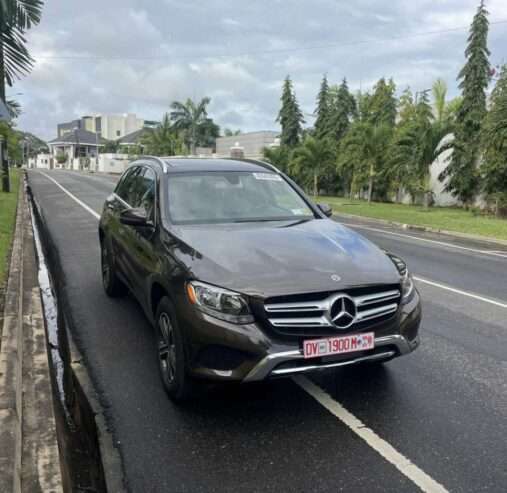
315	348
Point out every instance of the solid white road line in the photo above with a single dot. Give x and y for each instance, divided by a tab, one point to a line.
387	451
463	293
495	253
72	196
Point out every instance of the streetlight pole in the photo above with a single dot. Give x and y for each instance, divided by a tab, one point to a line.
97	147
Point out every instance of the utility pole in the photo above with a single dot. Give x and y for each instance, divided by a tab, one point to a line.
4	164
6	186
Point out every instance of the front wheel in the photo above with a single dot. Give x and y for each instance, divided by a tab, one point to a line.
171	354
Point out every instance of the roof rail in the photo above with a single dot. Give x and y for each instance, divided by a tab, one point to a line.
158	160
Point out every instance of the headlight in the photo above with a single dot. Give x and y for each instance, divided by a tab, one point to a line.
407	284
218	302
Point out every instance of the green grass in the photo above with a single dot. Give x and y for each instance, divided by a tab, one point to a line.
447	218
8	203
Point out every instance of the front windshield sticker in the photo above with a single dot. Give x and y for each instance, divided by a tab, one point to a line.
267	176
299	212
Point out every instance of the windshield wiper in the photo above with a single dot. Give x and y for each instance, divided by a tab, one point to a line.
299	221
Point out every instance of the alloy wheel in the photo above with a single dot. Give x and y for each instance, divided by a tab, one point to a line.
167	348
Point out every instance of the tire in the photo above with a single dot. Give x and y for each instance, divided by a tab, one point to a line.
113	287
171	354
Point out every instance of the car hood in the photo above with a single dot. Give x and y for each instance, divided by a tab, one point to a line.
269	259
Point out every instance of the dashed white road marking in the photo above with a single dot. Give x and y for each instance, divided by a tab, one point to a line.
425	482
463	293
72	196
494	253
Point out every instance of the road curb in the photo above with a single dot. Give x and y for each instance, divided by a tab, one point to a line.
29	453
111	460
413	227
82	401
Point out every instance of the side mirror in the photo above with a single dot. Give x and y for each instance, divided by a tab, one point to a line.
134	217
325	209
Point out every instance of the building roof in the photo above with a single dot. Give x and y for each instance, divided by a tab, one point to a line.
178	165
134	137
79	136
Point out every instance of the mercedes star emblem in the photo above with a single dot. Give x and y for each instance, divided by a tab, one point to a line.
343	312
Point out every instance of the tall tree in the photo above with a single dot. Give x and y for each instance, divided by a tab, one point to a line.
16	17
383	103
323	110
343	110
462	171
290	116
494	141
190	118
311	160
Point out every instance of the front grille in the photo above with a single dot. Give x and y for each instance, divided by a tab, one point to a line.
354	309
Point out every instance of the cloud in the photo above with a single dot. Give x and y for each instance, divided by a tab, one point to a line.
133	55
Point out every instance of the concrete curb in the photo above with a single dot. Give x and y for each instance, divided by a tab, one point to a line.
84	405
413	227
111	460
29	455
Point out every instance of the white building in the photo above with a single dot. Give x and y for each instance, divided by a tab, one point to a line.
76	150
107	125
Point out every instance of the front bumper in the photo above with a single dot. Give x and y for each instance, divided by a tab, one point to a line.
222	351
395	345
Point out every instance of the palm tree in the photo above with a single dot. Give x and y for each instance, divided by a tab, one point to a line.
164	140
439	90
366	149
16	17
313	157
190	118
278	156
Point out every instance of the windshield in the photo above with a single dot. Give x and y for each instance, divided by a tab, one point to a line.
231	196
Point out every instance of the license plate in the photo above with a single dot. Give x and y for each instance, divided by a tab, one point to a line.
315	348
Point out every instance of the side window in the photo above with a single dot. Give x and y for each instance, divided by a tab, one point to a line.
147	199
137	189
123	187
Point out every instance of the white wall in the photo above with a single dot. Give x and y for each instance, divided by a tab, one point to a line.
441	197
41	161
113	163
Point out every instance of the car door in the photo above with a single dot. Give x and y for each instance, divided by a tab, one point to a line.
121	234
140	258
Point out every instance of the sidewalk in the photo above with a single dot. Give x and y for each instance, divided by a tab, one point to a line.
29	456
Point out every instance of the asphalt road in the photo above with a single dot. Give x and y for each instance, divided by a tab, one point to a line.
443	408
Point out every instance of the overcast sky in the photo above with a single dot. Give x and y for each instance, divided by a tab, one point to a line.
138	56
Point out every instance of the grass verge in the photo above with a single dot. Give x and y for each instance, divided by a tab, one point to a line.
447	218
8	203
